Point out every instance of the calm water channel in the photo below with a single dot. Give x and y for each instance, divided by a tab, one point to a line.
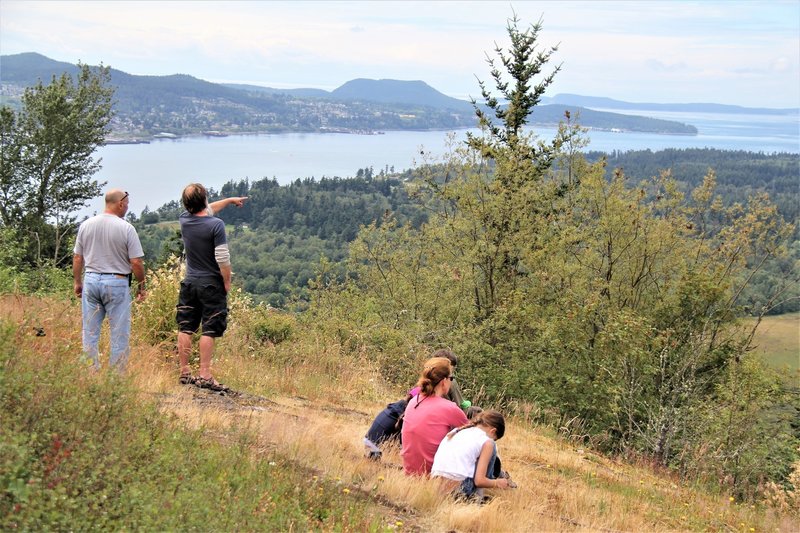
155	173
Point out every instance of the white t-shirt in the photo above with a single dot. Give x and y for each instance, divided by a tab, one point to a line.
456	458
107	244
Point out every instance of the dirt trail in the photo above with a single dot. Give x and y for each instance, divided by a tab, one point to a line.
292	411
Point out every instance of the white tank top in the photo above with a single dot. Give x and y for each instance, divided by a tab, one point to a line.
456	458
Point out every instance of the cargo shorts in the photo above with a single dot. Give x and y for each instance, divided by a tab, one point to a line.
202	301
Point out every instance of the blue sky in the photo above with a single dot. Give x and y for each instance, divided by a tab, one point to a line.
730	52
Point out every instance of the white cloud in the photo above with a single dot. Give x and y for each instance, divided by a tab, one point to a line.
725	51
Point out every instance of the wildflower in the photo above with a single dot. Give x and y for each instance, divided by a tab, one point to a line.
380	478
399	523
346	490
272	463
731	498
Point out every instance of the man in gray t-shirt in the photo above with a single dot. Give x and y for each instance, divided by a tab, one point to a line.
108	248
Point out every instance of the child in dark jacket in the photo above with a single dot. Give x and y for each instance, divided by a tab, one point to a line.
386	427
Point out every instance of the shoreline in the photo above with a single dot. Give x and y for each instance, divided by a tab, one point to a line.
220	134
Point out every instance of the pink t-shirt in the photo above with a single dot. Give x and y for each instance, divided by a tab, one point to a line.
426	421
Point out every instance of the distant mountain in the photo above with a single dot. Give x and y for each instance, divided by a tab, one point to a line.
610	103
301	92
181	104
398	92
28	68
415	93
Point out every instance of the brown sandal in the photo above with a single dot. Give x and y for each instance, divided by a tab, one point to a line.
210	384
187	379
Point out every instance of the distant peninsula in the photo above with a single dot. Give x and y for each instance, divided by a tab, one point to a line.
150	107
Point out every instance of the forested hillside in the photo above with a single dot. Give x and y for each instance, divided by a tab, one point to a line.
282	232
739	174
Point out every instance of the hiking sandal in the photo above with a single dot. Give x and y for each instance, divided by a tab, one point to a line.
211	384
187	379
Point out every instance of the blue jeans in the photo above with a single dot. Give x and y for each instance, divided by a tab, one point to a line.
106	295
467	488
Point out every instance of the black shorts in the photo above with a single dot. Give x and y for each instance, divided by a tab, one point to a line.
202	301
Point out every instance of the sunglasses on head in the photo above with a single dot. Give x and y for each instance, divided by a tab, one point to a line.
124	196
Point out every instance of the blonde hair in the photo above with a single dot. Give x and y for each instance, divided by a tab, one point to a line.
434	371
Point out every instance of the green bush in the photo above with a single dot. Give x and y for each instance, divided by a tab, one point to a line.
42	281
11	281
154	318
270	325
50	280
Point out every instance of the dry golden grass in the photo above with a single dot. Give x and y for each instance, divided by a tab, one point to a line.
313	403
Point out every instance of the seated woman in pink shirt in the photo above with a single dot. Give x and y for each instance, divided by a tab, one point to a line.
429	416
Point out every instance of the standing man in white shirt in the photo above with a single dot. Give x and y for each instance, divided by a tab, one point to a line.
108	249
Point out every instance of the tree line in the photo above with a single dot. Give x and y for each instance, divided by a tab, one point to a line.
283	230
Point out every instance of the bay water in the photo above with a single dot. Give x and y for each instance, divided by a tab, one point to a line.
155	173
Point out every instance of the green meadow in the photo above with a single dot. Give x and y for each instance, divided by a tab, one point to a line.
778	340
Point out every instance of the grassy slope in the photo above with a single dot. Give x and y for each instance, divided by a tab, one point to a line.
309	405
778	340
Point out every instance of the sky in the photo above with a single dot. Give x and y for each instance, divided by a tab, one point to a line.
668	51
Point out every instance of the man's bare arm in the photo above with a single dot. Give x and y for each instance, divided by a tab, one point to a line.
137	266
219	205
226	276
77	273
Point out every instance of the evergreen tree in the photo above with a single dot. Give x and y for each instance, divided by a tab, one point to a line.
518	96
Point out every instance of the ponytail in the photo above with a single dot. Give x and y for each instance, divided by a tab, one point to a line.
434	371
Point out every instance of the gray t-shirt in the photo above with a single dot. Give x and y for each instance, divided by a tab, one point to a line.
107	244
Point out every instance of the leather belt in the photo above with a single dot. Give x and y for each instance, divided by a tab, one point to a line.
116	274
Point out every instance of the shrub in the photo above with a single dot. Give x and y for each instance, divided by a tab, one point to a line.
49	280
46	280
270	325
154	318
